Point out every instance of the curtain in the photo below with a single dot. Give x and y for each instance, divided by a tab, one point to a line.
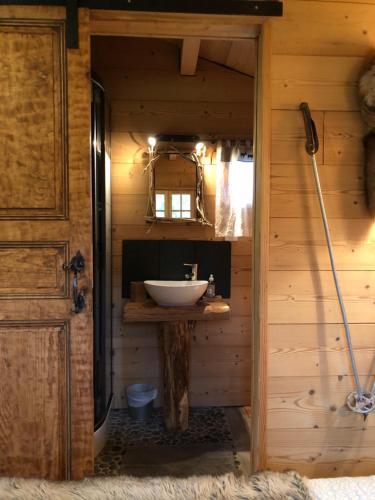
234	192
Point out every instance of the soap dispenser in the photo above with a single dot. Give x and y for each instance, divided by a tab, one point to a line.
210	292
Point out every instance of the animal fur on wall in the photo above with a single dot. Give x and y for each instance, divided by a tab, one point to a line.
367	97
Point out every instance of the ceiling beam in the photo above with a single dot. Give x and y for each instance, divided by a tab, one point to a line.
225	7
232	7
189	56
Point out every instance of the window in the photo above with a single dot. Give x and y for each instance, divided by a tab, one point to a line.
160	204
181	206
234	193
174	205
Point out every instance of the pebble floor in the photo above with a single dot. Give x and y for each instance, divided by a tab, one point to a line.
207	427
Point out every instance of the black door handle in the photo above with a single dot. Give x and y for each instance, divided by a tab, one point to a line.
76	265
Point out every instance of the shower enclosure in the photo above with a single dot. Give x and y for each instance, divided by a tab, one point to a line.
102	294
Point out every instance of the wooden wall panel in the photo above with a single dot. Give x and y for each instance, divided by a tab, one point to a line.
319	52
34	399
288	136
150	96
353	244
343	134
332	29
32	96
210	84
215	118
311	403
326	82
310	296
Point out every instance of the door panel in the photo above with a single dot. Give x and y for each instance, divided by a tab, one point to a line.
33	270
46	400
34	416
32	138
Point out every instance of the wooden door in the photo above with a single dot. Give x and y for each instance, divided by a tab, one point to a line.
46	402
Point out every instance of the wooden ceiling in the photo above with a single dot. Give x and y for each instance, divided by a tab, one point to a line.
238	55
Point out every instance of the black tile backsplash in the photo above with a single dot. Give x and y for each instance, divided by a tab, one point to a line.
164	259
173	254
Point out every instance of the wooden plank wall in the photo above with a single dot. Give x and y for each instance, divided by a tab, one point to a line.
149	96
319	49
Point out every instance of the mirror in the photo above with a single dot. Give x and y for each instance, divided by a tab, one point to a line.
175	186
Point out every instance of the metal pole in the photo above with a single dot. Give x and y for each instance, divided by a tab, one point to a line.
335	277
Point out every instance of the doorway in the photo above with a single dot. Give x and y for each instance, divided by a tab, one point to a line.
150	97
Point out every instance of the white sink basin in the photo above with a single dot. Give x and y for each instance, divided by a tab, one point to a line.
176	293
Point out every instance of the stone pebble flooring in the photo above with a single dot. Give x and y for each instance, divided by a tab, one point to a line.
207	427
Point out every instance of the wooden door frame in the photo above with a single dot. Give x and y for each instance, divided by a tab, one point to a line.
260	273
206	26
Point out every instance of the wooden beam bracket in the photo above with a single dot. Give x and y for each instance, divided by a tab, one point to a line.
189	56
72	27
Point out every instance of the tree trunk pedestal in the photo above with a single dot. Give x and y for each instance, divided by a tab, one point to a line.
176	328
175	338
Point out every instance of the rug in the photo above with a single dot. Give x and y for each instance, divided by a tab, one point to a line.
343	488
262	486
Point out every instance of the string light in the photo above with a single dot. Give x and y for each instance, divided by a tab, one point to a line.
199	148
151	141
151	144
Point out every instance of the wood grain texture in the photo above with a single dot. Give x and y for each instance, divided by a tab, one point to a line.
35	72
189	56
175	346
34	395
33	137
260	276
150	311
33	354
312	403
210	83
33	270
288	137
168	25
82	404
325	82
310	297
201	367
338	463
343	134
168	117
304	204
309	426
209	391
240	55
149	76
313	28
352	244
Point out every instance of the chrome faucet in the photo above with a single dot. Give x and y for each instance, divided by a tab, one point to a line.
193	276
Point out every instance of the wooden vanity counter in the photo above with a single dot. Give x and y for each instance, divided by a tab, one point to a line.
135	312
176	328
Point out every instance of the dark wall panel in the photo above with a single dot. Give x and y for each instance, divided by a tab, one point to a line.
173	255
164	259
214	257
140	262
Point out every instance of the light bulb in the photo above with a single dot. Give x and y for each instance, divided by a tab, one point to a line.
151	141
199	148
